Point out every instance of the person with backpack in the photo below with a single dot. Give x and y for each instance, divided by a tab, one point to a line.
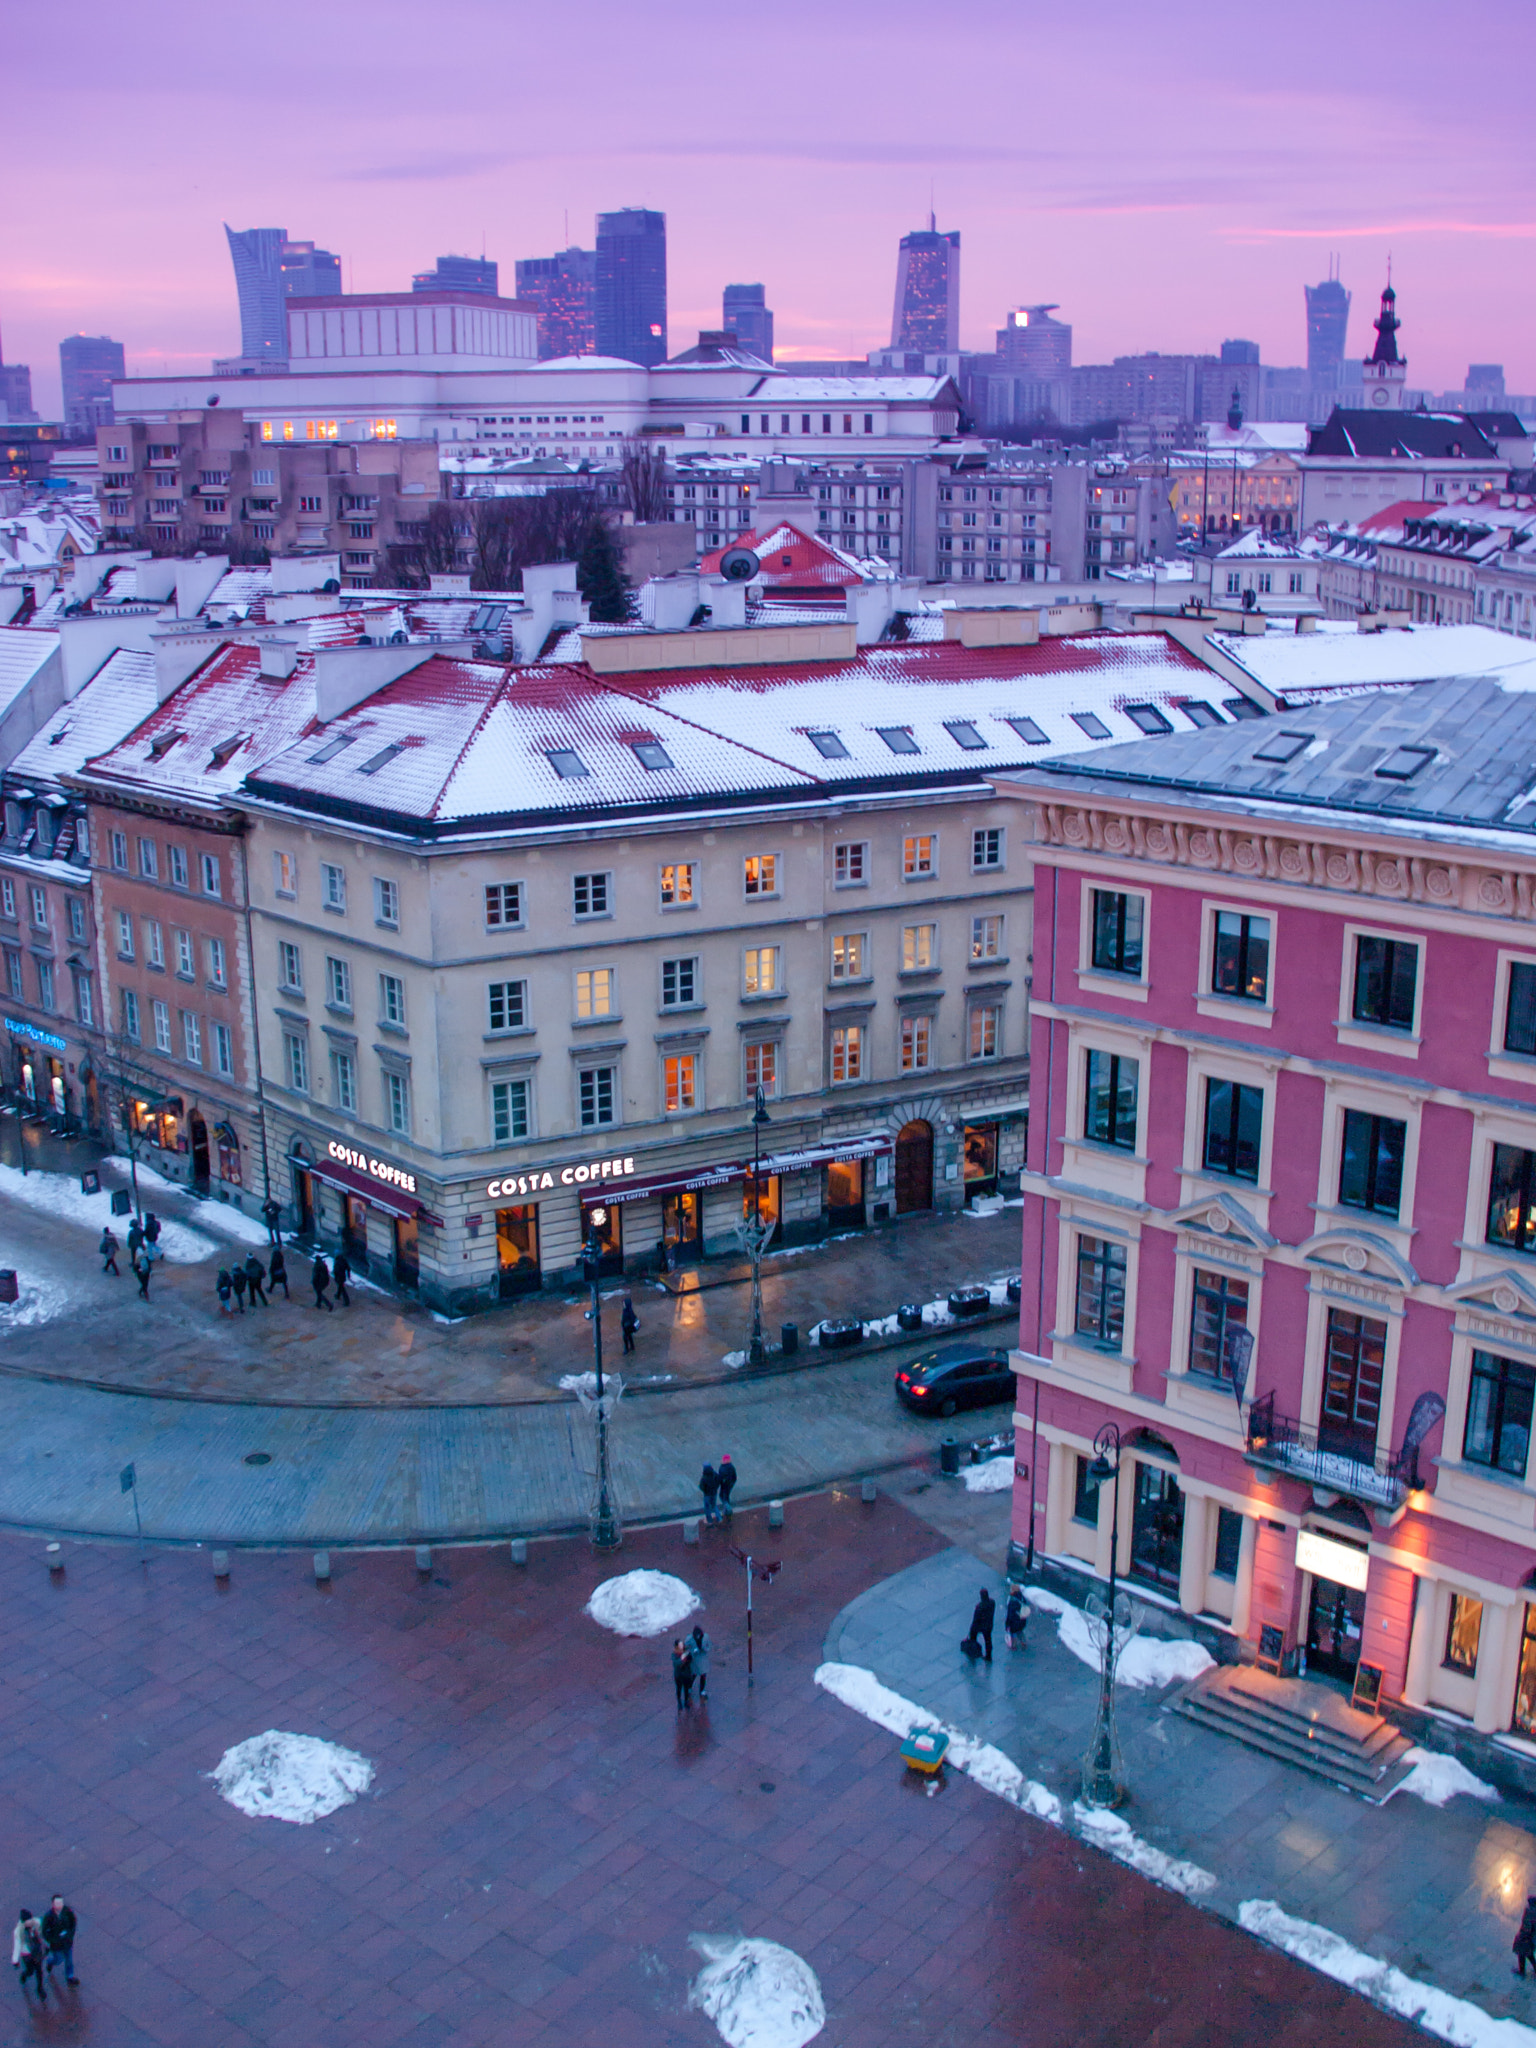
108	1251
152	1233
255	1274
225	1290
320	1280
27	1952
237	1281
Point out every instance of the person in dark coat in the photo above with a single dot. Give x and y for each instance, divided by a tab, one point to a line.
341	1273
629	1322
108	1250
320	1280
1525	1938
59	1925
277	1272
682	1678
225	1290
237	1281
255	1274
1013	1620
143	1266
709	1486
979	1641
135	1239
698	1647
152	1228
272	1215
727	1482
27	1952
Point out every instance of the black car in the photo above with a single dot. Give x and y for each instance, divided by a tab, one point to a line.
956	1376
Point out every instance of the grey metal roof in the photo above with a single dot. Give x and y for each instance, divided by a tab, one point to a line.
1459	755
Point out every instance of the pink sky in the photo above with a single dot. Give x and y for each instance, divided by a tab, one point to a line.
1172	175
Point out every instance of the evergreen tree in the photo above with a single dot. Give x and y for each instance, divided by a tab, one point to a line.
600	576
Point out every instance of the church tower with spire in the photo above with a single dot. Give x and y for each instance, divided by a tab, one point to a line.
1386	372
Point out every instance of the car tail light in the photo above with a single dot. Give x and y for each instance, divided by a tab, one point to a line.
918	1389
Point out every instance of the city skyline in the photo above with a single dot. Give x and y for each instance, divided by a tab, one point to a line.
1264	163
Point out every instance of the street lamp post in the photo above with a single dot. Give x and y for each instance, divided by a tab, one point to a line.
1102	1782
753	1232
605	1522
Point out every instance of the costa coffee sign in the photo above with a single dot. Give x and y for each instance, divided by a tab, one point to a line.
539	1181
376	1169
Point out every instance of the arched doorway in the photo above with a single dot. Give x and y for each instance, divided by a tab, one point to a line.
200	1169
303	1188
914	1168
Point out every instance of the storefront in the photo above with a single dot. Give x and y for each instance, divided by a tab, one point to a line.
517	1251
369	1205
981	1150
39	1070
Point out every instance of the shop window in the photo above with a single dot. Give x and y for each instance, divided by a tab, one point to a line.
1109	1100
1219	1304
847	1052
1498	1426
1520	1012
1229	1543
1386	977
677	884
1234	1127
597	1095
1512	1198
980	1158
517	1250
507	1005
1085	1493
1463	1629
1100	1306
919	948
916	1044
509	1112
1118	923
760	1066
1240	956
1371	1163
845	1190
679	1080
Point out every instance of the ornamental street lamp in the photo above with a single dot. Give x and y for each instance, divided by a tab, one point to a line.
754	1231
605	1522
1103	1782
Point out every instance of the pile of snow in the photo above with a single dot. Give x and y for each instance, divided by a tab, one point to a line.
642	1603
991	1205
278	1776
758	1994
37	1301
1435	1779
936	1314
1145	1661
1107	1831
1453	2019
579	1382
992	1475
223	1217
58	1194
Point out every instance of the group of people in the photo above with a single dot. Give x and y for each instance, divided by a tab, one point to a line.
690	1666
143	1250
251	1278
978	1642
716	1483
39	1946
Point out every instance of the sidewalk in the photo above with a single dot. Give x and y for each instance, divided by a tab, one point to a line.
1437	1892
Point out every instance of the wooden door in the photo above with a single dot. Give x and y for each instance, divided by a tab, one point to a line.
914	1168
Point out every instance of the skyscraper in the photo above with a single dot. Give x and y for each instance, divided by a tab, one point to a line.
927	315
563	287
1034	345
631	307
1327	331
269	269
458	274
15	391
87	365
744	312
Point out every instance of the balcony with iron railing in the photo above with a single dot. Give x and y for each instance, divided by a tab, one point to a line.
1330	1461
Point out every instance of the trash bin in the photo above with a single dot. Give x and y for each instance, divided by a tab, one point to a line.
909	1315
949	1457
789	1339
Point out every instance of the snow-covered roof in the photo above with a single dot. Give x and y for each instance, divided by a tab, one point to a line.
214	730
24	650
1256	545
1297	666
788	390
120	696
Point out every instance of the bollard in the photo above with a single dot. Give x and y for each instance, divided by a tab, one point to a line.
322	1567
221	1564
691	1529
55	1557
775	1514
423	1557
949	1457
867	1490
519	1550
789	1339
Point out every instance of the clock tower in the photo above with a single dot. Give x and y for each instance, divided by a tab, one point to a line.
1386	372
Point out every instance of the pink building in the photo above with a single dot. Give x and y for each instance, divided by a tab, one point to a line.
1283	1072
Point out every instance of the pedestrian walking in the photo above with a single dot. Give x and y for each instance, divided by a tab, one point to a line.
699	1647
277	1272
27	1952
272	1215
59	1925
108	1250
682	1677
1525	1939
320	1280
1014	1622
143	1266
255	1274
152	1228
727	1482
629	1322
237	1281
225	1291
135	1239
709	1486
341	1273
979	1641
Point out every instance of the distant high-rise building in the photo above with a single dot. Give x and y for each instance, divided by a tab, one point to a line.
1486	380
564	288
631	299
927	314
1032	344
15	391
744	313
1239	352
87	365
269	268
1327	332
458	274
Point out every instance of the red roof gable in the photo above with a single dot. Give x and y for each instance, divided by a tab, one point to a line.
793	560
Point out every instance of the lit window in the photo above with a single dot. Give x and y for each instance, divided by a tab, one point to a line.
677	884
986	938
761	1065
917	855
847	1052
916	1044
848	956
919	948
285	874
760	970
986	1031
760	874
594	992
678	1082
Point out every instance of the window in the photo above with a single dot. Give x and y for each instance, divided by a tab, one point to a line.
1464	1626
208	870
917	855
333	886
677	1082
850	864
216	969
1352	1376
503	905
1147	718
1229	1543
296	1059
392	1000
1371	1163
760	1065
185	965
986	1031
919	948
149	859
1520	1014
760	874
676	884
828	745
338	983
1109	1101
192	1037
594	992
760	971
1085	1493
344	1081
39	906
986	938
154	942
1234	1126
1091	724
1240	956
987	847
85	1008
964	734
1118	923
124	936
591	894
397	1102
45	984
120	851
223	1050
1029	732
1498	1427
1512	1199
652	754
848	949
679	983
1219	1304
916	1044
162	1015
567	764
386	901
509	1112
847	1052
290	968
1386	972
596	1096
13	975
7	896
1100	1307
507	1005
285	874
899	739
1198	713
130	1011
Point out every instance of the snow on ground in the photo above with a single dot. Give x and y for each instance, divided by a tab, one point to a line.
937	1315
223	1217
1436	1778
1453	2019
991	1205
58	1194
1107	1831
758	1994
642	1603
1145	1660
38	1301
278	1776
579	1382
992	1475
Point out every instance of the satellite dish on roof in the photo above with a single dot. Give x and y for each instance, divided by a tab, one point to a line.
739	565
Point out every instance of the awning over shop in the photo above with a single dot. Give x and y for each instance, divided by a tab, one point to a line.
679	1181
391	1200
827	1155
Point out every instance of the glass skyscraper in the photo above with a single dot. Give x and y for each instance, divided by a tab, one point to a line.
631	299
744	313
87	365
927	315
269	269
563	287
458	274
1327	331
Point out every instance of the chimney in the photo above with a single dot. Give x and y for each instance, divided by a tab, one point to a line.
179	655
344	676
668	603
279	655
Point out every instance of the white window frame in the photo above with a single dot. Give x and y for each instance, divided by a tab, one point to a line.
775	985
391	988
161	1012
993	959
495	914
1232	1009
209	875
338	984
333	887
1378	1038
911	857
589	984
915	931
850	848
223	1050
603	876
507	1087
979	834
769	864
285	874
682	893
386	902
1103	980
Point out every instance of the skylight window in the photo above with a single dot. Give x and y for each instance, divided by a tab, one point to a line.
1031	734
1147	718
652	754
1198	713
1241	707
964	734
334	746
828	745
1282	746
380	760
899	739
1403	763
1091	724
567	763
487	618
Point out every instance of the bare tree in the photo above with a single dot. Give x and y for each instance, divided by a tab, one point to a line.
495	531
643	478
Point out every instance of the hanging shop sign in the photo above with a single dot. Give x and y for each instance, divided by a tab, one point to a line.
539	1180
376	1169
